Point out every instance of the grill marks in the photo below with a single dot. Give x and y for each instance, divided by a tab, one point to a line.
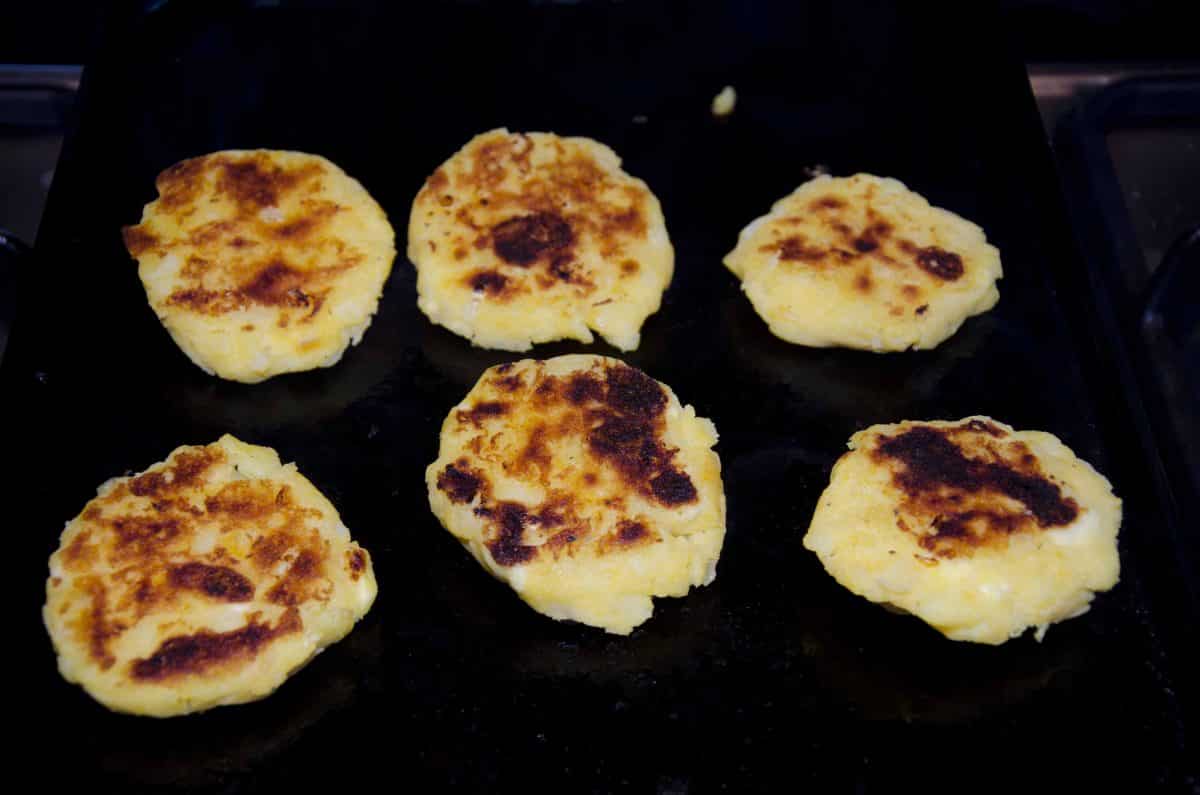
270	246
202	651
144	531
970	501
615	413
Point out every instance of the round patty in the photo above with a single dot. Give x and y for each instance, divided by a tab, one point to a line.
863	262
526	238
262	262
583	484
980	530
205	580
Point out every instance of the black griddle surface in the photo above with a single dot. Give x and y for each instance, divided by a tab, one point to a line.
772	677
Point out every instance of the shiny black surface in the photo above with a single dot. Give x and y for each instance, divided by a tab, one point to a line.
771	678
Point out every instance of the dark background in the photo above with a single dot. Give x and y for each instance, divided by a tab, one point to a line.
68	31
771	678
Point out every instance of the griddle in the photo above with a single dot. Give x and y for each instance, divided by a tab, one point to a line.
771	678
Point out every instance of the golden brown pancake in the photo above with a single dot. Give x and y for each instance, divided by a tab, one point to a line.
583	484
262	262
980	530
205	580
525	238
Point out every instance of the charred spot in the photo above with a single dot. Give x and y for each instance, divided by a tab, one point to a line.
508	383
629	531
482	411
458	482
826	203
460	253
590	478
862	283
552	515
933	463
507	549
356	561
633	392
218	582
583	388
522	240
489	282
945	265
672	487
561	267
864	245
195	653
278	284
621	440
629	267
796	248
241	242
138	240
983	426
922	309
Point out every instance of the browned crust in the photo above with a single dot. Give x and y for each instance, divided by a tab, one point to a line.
559	206
142	531
241	260
617	412
970	486
202	651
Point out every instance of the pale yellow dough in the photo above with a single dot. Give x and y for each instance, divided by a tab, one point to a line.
863	262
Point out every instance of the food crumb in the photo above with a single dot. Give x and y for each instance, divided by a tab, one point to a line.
723	103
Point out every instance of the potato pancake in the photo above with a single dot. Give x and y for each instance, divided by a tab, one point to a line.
583	484
205	580
979	530
863	262
262	262
526	238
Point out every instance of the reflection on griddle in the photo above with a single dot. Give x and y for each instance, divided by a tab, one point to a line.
860	385
303	398
462	362
892	667
201	751
522	642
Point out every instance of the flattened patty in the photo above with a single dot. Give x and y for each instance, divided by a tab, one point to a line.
262	262
205	580
863	262
583	484
980	530
525	238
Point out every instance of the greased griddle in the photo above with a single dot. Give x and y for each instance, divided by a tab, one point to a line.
774	677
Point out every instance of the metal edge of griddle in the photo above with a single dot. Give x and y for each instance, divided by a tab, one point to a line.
1104	234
